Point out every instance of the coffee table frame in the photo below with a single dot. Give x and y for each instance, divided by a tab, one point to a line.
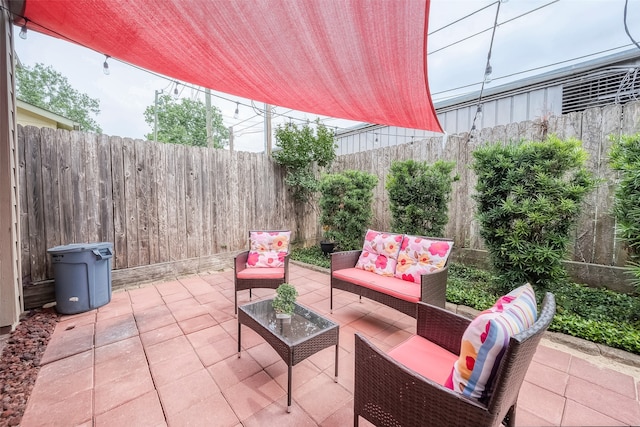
292	354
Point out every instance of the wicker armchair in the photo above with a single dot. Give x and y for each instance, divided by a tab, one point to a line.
388	393
247	278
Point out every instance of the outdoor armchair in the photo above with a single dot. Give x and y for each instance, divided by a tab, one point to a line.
264	265
387	392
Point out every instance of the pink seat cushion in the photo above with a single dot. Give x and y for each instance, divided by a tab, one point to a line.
261	273
425	357
408	291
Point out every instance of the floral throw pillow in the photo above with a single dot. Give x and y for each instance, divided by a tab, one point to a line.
268	248
380	252
421	255
486	338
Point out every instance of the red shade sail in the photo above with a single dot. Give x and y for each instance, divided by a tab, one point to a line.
362	60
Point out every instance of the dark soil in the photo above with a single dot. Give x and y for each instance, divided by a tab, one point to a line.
20	362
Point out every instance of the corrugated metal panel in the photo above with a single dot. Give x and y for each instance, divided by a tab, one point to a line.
615	85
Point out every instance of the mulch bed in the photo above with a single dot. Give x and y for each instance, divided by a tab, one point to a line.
20	362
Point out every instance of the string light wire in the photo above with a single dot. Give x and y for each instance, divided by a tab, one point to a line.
487	73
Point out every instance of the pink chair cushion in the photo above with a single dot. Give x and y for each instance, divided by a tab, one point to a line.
380	252
424	357
261	273
420	255
486	339
268	248
408	291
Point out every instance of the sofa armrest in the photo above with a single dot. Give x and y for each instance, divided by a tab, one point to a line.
240	261
345	259
433	287
441	326
387	392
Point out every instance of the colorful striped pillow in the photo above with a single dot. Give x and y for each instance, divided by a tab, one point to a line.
486	339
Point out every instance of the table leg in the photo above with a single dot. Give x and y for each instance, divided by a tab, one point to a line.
336	378
289	390
239	328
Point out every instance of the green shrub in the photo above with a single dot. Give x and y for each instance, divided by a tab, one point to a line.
419	196
345	204
311	255
300	150
529	196
625	158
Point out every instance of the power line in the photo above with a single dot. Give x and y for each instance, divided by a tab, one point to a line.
488	29
461	19
535	69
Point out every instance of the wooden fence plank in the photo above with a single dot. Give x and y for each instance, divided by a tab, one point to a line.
23	169
140	205
92	187
162	181
35	205
121	254
153	168
130	200
78	207
585	231
174	248
605	247
181	215
65	187
106	232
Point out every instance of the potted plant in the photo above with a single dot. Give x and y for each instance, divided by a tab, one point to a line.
284	302
327	244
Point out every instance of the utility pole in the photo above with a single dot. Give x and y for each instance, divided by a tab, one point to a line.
267	129
207	99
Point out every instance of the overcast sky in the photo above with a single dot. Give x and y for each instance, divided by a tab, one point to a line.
558	31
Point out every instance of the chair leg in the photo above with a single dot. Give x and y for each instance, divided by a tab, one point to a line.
235	300
249	294
356	420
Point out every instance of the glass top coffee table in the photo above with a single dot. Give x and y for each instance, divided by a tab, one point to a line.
294	339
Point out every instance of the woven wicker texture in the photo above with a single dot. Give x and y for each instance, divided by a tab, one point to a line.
387	393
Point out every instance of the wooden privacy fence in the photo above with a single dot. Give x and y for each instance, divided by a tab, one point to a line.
171	209
594	242
159	204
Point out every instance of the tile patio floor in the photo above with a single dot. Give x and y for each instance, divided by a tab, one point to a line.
165	354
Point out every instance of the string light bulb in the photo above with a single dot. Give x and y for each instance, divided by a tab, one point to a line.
237	112
23	31
175	90
105	66
487	73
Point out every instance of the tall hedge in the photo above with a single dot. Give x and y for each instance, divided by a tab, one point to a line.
345	204
529	197
419	195
625	158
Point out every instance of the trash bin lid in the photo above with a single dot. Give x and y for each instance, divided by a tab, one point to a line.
78	247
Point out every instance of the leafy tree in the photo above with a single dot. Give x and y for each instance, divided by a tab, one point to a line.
300	149
184	121
46	88
419	195
529	197
624	157
345	204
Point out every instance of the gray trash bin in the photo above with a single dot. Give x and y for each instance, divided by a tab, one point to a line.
82	273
